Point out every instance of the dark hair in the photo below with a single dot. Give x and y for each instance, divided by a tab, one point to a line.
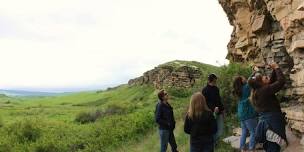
255	83
212	77
238	86
161	95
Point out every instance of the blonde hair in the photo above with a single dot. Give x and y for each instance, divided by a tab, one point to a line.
197	105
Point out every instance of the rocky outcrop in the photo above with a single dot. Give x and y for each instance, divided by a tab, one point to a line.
268	31
173	75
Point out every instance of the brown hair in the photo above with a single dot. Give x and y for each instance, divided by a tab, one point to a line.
255	83
161	94
238	86
197	105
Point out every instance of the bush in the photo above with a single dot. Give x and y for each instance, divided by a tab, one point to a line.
5	148
115	109
87	117
25	131
179	92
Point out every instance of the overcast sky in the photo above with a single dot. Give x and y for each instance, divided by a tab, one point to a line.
71	45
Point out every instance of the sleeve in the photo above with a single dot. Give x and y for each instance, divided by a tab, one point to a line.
273	77
187	125
279	82
158	116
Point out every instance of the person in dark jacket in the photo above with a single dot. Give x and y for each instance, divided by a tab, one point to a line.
165	119
200	124
271	127
245	112
213	99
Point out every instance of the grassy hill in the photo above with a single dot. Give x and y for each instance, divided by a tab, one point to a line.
120	119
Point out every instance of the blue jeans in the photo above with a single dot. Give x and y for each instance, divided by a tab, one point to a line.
202	148
249	124
275	121
167	136
220	127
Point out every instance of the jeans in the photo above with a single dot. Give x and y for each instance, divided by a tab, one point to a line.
167	136
274	121
249	124
220	127
202	148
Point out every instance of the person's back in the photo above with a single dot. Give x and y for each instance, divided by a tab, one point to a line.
202	127
245	112
268	100
245	108
212	94
213	98
200	124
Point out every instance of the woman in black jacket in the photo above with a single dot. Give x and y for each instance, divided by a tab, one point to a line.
200	124
165	118
271	127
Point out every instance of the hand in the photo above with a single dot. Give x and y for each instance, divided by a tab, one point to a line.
216	110
274	66
255	68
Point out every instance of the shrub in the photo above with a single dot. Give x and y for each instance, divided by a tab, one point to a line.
25	131
87	117
5	148
179	92
115	109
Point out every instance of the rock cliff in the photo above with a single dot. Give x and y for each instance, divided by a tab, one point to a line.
173	74
268	31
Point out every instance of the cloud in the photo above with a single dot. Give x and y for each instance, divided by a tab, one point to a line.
87	44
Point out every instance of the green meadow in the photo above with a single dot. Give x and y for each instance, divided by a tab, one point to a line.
115	120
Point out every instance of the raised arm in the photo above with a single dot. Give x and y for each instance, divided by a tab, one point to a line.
277	79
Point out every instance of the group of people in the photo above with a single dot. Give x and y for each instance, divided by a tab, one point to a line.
259	112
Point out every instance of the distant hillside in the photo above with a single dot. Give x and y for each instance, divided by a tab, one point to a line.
177	73
26	93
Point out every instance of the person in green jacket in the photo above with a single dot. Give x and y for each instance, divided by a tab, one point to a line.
245	112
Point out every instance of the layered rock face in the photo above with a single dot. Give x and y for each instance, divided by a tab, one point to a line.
180	76
268	31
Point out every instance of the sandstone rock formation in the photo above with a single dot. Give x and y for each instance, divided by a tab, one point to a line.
271	31
169	75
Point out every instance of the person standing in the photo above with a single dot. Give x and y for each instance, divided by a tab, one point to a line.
213	99
164	117
245	112
200	124
271	126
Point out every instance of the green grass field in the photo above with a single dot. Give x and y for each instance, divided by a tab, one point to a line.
119	119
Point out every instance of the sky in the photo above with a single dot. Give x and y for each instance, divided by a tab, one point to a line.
73	45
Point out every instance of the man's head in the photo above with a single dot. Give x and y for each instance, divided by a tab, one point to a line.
212	78
163	95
